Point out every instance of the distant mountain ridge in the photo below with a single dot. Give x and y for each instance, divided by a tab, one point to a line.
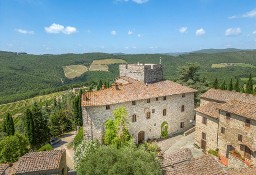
209	51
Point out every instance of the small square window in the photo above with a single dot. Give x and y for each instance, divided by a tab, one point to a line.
204	120
183	95
181	124
240	137
247	123
153	110
223	130
156	98
133	102
148	100
164	98
134	118
107	107
203	136
148	115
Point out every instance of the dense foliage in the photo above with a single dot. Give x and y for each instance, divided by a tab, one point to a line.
114	161
8	125
12	147
46	147
78	138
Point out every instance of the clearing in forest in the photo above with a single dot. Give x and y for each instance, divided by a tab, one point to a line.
102	65
73	71
223	65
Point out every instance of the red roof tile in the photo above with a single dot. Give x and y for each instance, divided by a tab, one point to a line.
133	91
209	109
243	171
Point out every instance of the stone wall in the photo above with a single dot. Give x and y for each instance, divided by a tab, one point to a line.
211	130
233	127
147	73
152	127
234	162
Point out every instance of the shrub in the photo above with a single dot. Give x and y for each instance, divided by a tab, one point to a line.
150	147
46	147
78	138
164	129
213	152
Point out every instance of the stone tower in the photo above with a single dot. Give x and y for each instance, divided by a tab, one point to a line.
147	73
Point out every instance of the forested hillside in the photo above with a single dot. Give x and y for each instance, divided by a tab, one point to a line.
25	75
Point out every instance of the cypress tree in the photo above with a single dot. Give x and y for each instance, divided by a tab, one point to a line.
30	128
216	84
237	86
249	85
99	85
8	125
223	86
230	86
78	111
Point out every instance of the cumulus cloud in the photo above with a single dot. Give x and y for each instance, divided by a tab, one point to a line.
130	32
140	1
57	28
139	35
254	32
183	29
200	32
113	32
22	31
249	14
232	31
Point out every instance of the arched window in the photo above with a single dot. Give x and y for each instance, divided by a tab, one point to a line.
164	112
148	115
134	118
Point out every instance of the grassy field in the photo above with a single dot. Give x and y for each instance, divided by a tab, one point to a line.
74	71
19	107
98	67
109	61
223	65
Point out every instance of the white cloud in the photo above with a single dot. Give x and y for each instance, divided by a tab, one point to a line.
57	28
200	32
140	1
183	29
232	31
139	35
250	14
113	32
130	32
30	32
254	32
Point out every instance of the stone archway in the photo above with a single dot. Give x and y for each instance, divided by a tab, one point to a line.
141	137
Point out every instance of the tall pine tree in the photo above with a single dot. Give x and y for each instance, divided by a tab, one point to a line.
8	125
230	86
216	84
249	85
78	111
237	86
30	128
42	133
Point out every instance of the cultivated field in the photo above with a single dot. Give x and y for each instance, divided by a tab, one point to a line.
223	65
74	71
98	67
19	107
109	61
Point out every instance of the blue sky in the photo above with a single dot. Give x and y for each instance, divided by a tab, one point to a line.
128	26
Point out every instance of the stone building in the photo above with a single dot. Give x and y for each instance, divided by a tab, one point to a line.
148	99
38	163
227	120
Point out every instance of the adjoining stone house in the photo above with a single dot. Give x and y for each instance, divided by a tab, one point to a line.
181	162
38	163
227	120
148	99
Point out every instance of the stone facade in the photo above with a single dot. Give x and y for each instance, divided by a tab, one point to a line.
147	73
229	140
96	116
210	129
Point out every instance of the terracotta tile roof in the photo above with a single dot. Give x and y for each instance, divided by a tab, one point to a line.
179	156
133	91
3	167
7	169
205	165
225	95
240	108
243	171
125	80
39	161
209	109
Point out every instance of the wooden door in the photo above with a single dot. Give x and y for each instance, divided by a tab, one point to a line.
141	137
247	153
203	144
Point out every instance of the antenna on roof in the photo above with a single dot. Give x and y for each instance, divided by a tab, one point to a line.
160	62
